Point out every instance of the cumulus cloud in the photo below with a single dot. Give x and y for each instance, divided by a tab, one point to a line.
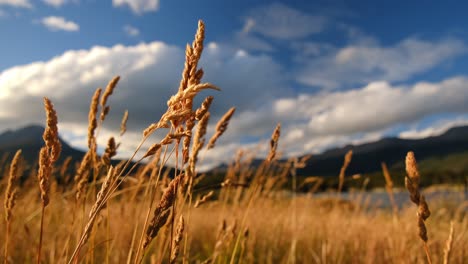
256	84
131	31
435	129
138	6
17	3
150	74
282	22
55	23
362	63
314	122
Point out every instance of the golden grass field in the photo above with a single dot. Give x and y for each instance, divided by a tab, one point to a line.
145	214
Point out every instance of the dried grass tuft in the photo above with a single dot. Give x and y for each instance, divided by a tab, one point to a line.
412	181
221	127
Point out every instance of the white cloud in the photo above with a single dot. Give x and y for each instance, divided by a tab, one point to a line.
434	129
55	3
314	122
17	3
55	23
131	31
282	22
363	63
150	73
256	85
138	6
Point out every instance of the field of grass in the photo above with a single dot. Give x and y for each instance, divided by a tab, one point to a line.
146	214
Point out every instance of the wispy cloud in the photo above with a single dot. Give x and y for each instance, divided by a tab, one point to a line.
131	31
55	23
360	64
283	22
435	129
138	6
17	3
56	3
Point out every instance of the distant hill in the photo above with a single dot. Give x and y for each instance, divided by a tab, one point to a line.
368	157
451	146
29	139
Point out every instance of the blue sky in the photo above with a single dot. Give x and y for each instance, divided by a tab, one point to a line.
332	72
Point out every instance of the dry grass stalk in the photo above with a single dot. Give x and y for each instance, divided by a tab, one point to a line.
186	143
205	106
81	177
197	145
10	198
110	152
97	207
180	105
108	92
221	127
161	212
92	121
50	135
47	157
389	188
177	240
167	140
191	75
123	124
274	143
65	166
448	245
412	181
203	199
346	162
11	191
94	212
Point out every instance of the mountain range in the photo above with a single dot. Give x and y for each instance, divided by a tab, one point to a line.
366	157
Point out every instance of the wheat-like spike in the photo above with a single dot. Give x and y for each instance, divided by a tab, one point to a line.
109	90
274	143
107	93
161	212
197	47
81	177
152	150
389	187
221	127
10	193
198	42
190	123
203	199
189	93
44	175
123	124
448	245
111	151
197	145
65	166
92	122
177	240
346	162
412	184
187	67
205	106
50	135
97	206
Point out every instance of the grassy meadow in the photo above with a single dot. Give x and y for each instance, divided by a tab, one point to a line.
145	213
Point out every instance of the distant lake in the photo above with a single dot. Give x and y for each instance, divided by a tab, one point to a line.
381	199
